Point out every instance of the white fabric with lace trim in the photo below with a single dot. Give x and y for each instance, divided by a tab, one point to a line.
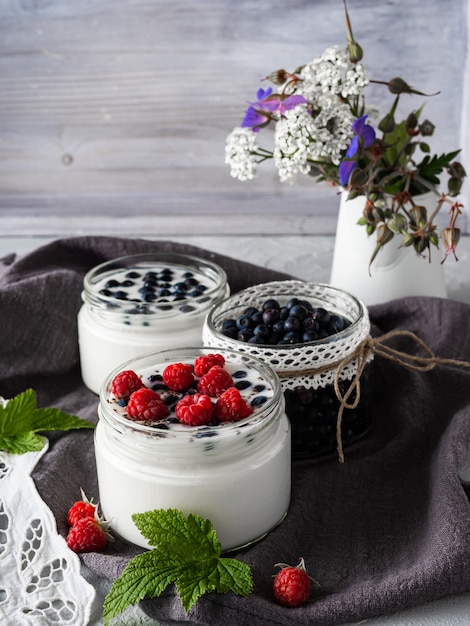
40	584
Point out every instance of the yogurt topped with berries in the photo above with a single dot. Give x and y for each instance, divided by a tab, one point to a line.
140	303
201	431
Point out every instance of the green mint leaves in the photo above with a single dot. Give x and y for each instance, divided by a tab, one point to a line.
20	420
187	554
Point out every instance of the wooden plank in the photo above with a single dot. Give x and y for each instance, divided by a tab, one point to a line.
133	102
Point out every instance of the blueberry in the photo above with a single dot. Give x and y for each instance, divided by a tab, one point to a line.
271	304
180	286
292	302
110	284
251	310
335	324
309	335
120	295
245	335
292	323
231	331
228	323
290	337
298	310
321	314
195	293
271	315
259	388
310	324
239	374
257	317
245	321
190	281
261	341
258	401
278	328
261	331
106	292
127	283
242	384
133	275
283	313
163	292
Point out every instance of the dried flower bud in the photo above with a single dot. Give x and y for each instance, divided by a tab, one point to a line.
278	77
456	170
398	86
450	237
397	224
411	121
426	128
387	124
384	234
355	52
419	215
454	186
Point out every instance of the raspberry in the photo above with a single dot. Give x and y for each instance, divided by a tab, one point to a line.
80	509
125	383
87	535
292	584
215	381
204	362
195	410
178	376
231	407
146	404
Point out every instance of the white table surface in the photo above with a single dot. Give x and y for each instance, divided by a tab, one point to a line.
309	258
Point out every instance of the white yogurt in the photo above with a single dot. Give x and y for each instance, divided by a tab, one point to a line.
235	474
120	321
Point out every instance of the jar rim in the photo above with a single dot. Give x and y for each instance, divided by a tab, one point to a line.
188	261
224	307
256	419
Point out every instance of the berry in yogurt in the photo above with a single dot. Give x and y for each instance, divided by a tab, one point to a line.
173	395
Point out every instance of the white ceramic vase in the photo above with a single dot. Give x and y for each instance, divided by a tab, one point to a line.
395	273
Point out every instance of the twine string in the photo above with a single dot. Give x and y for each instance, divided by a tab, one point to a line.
369	347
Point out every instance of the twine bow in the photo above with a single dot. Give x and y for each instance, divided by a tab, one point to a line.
362	353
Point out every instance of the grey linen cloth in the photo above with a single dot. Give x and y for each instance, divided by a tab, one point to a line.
386	530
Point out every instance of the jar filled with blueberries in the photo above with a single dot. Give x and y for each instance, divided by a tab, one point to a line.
139	303
310	334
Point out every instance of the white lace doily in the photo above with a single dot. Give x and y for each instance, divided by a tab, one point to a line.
40	583
299	361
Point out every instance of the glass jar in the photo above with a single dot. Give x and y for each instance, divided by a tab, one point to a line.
119	320
236	474
307	370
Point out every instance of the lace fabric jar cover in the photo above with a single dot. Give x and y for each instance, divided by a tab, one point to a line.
307	370
41	581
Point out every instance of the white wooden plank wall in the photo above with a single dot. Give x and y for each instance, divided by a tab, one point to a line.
113	115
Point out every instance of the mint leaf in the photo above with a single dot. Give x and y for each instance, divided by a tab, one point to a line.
20	419
19	444
187	553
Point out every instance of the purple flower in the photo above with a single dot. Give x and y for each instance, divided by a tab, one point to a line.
364	137
345	170
259	113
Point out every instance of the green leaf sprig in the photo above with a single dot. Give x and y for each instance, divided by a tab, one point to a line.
20	420
187	553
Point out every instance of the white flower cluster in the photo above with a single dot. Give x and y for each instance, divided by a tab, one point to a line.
317	132
332	74
240	149
301	138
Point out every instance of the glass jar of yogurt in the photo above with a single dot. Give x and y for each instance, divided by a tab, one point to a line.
141	303
237	474
308	369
